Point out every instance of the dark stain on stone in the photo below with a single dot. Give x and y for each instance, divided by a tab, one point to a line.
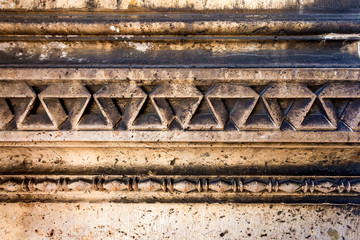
51	233
224	233
172	162
91	4
333	234
205	154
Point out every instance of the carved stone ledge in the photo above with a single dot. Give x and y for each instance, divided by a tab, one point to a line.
107	106
286	109
180	25
171	188
189	5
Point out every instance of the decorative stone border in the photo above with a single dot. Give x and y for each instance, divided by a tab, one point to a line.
177	184
240	114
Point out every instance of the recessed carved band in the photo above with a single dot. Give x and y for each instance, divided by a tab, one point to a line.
113	106
177	184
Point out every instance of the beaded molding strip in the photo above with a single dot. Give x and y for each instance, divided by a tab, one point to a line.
289	185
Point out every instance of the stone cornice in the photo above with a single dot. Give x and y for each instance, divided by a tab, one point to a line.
325	26
194	5
147	112
201	76
137	89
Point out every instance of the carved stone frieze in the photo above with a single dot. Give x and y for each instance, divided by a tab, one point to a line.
179	119
19	112
189	184
276	107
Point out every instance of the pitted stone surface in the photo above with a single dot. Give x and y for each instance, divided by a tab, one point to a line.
171	4
177	221
179	119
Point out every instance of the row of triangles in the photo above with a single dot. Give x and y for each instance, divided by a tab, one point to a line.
224	106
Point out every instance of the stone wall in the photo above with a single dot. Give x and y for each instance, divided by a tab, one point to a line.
179	119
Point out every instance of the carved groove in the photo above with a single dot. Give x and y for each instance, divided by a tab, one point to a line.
181	185
227	107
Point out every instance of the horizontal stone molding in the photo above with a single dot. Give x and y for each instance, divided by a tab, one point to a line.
77	138
148	5
183	184
327	26
197	189
189	52
278	107
201	76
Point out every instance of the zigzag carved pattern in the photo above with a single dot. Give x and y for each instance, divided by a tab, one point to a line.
180	184
180	106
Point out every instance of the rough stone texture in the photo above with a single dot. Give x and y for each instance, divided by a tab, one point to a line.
177	221
179	119
223	107
174	4
200	159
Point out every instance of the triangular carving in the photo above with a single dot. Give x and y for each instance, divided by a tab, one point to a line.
15	91
203	117
37	116
189	96
180	107
119	101
259	118
245	97
121	104
225	106
148	118
317	119
285	104
92	118
5	113
51	100
295	111
351	113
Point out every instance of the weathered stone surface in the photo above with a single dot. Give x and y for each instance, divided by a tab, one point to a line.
179	119
179	25
193	52
208	188
200	159
177	221
172	4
